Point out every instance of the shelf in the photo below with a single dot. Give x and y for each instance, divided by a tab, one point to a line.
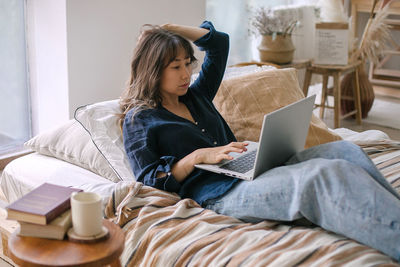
387	73
378	73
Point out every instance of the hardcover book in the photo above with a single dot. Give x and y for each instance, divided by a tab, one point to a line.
56	229
42	204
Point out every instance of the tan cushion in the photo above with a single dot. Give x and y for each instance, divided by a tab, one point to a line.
244	100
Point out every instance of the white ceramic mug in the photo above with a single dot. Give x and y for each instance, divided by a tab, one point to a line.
86	212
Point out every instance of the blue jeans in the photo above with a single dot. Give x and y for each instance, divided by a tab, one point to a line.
334	185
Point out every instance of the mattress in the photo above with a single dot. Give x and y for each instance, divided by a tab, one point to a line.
25	173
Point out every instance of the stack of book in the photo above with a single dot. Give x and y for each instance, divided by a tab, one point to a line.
44	212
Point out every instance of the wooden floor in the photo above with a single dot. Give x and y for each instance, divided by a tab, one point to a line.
392	94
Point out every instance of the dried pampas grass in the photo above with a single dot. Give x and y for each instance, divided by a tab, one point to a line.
373	42
375	37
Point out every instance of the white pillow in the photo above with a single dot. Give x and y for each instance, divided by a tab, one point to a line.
101	122
71	143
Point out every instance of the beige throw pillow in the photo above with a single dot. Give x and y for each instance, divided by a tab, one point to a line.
71	143
244	100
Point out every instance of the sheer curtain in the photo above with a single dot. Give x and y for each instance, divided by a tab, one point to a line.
232	17
14	95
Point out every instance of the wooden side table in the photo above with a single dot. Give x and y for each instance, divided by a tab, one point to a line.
32	251
297	64
336	71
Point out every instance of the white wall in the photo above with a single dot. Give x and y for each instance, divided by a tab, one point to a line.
101	36
82	49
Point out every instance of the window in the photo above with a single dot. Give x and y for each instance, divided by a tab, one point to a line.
15	126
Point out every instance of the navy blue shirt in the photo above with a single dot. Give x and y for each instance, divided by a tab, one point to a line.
157	138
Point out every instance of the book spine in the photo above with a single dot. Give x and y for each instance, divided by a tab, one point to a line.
58	210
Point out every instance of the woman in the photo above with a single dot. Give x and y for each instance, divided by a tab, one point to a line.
169	127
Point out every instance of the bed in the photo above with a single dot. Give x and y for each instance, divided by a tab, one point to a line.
164	230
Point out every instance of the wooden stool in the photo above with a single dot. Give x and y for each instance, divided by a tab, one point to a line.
336	71
33	251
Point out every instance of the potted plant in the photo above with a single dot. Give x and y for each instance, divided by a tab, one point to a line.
276	30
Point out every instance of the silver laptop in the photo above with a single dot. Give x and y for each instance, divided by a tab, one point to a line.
283	133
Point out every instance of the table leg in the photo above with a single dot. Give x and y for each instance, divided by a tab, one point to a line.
354	18
116	263
324	93
357	97
337	96
307	81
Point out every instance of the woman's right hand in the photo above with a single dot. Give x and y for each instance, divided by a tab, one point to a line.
209	155
213	155
189	32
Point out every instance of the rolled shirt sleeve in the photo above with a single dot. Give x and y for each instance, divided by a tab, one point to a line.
167	182
216	46
143	157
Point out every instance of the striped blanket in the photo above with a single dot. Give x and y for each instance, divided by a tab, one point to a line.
164	230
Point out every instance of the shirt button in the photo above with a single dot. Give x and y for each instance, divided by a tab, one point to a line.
215	142
196	122
203	130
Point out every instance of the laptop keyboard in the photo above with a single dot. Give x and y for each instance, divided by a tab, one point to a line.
241	164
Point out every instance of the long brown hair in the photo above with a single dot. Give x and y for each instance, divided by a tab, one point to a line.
155	50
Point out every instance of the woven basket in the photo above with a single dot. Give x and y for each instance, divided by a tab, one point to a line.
366	93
